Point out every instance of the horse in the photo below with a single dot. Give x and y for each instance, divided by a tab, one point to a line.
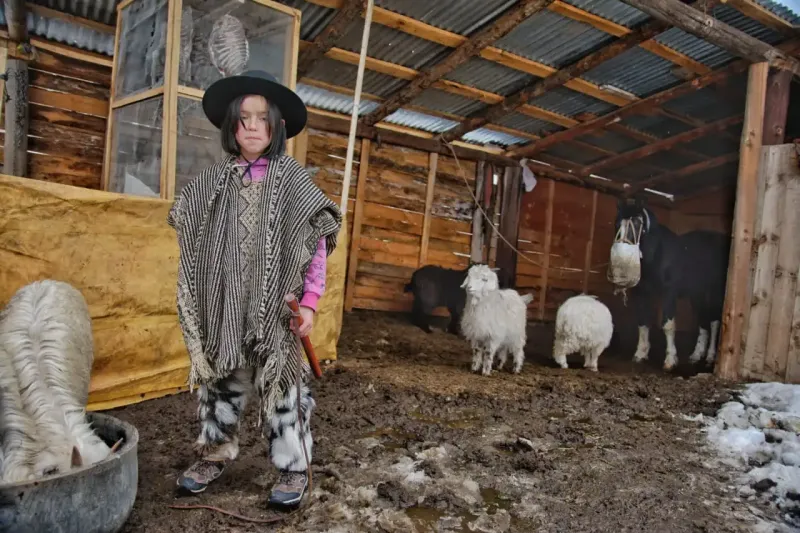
657	264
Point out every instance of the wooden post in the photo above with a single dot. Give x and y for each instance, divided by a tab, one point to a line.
358	217
778	87
426	221
476	245
16	124
509	226
783	291
3	63
744	213
793	356
587	260
548	237
768	233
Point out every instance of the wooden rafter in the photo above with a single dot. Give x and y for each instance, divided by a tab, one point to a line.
716	32
501	27
67	17
661	146
689	170
350	10
557	79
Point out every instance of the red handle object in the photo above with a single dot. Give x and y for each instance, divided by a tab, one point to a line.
291	301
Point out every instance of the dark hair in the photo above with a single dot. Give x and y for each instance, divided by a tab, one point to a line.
277	142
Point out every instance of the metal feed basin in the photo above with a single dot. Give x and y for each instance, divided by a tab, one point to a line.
96	499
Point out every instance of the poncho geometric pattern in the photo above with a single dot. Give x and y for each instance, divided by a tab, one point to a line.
219	332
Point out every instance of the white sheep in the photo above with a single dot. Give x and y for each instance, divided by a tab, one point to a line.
46	356
494	320
583	324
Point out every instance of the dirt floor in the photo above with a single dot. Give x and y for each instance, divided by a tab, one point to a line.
407	439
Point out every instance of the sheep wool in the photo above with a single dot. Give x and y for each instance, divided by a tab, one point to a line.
583	324
494	320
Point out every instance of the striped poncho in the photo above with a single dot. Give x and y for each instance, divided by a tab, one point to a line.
220	336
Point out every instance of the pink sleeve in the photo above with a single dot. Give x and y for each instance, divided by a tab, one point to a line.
314	286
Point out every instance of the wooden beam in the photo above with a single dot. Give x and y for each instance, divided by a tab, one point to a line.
72	19
339	124
631	109
587	259
744	213
497	30
548	239
557	79
476	243
350	10
15	149
764	16
689	170
56	48
433	160
716	32
661	146
506	257
358	218
778	87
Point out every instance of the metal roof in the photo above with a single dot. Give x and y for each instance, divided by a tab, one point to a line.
104	11
67	33
469	17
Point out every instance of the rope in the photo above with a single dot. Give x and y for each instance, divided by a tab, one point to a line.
485	216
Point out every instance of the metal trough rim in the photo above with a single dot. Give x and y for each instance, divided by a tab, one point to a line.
131	441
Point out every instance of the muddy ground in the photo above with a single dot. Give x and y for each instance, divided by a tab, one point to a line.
407	439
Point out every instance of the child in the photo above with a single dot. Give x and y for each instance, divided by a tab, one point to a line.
251	229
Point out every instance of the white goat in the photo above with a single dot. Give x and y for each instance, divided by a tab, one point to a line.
46	356
494	320
583	324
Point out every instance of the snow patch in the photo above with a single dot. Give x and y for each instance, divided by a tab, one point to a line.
760	435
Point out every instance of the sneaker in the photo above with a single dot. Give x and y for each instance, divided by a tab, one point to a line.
289	489
197	478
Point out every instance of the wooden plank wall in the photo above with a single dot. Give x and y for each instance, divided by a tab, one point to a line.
68	110
393	211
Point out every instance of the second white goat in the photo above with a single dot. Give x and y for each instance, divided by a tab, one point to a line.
494	320
583	324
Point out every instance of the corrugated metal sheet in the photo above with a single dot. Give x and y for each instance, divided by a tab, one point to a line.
710	104
330	101
707	53
104	11
528	124
490	76
783	11
636	71
575	154
611	141
485	136
567	102
656	125
437	100
552	39
714	145
420	121
465	20
67	33
669	160
612	10
344	75
314	18
393	46
724	174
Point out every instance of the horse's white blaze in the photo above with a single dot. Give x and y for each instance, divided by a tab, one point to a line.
672	353
712	345
700	347
643	348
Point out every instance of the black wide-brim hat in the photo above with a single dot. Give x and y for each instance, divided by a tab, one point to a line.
222	92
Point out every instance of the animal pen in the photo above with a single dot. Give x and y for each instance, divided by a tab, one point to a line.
687	105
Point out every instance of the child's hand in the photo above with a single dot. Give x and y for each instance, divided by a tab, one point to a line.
308	321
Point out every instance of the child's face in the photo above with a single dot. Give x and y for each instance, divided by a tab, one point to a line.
252	132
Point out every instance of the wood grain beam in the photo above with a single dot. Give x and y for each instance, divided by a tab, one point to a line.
716	32
463	53
16	20
67	17
689	170
662	145
557	79
350	10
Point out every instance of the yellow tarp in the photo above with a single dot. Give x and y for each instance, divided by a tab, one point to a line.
120	253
